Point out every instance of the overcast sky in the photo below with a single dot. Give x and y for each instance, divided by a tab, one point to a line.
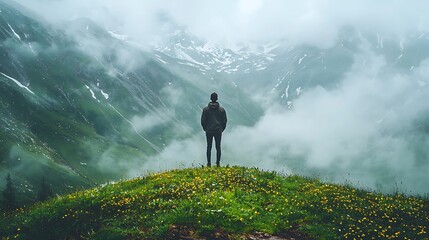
233	21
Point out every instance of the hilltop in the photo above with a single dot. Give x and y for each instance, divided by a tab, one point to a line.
222	203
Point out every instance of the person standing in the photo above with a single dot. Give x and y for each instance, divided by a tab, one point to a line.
213	121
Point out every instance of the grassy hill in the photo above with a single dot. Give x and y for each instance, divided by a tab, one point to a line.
222	203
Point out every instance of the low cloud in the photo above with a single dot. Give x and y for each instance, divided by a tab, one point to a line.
371	129
151	120
178	154
241	21
363	131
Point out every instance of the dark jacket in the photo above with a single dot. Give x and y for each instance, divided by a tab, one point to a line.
213	118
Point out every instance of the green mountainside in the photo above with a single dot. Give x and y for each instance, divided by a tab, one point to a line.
74	100
221	203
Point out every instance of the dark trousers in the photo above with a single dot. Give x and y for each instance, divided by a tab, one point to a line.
218	138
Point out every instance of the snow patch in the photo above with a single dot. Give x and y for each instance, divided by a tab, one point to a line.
106	96
159	59
16	34
17	82
287	90
206	48
118	36
401	45
31	48
400	56
92	93
299	91
300	60
411	68
184	56
232	70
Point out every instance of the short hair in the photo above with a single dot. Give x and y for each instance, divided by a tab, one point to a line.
213	97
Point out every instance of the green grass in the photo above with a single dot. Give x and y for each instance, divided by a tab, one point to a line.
228	200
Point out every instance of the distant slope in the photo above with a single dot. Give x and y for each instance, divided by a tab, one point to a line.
74	99
227	203
61	110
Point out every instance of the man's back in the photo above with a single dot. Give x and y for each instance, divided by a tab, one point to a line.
213	118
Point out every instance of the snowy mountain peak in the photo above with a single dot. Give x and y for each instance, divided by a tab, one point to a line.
208	57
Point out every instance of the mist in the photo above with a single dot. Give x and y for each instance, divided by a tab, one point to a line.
370	130
242	21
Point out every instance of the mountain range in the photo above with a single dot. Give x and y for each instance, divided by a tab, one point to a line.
81	104
77	103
